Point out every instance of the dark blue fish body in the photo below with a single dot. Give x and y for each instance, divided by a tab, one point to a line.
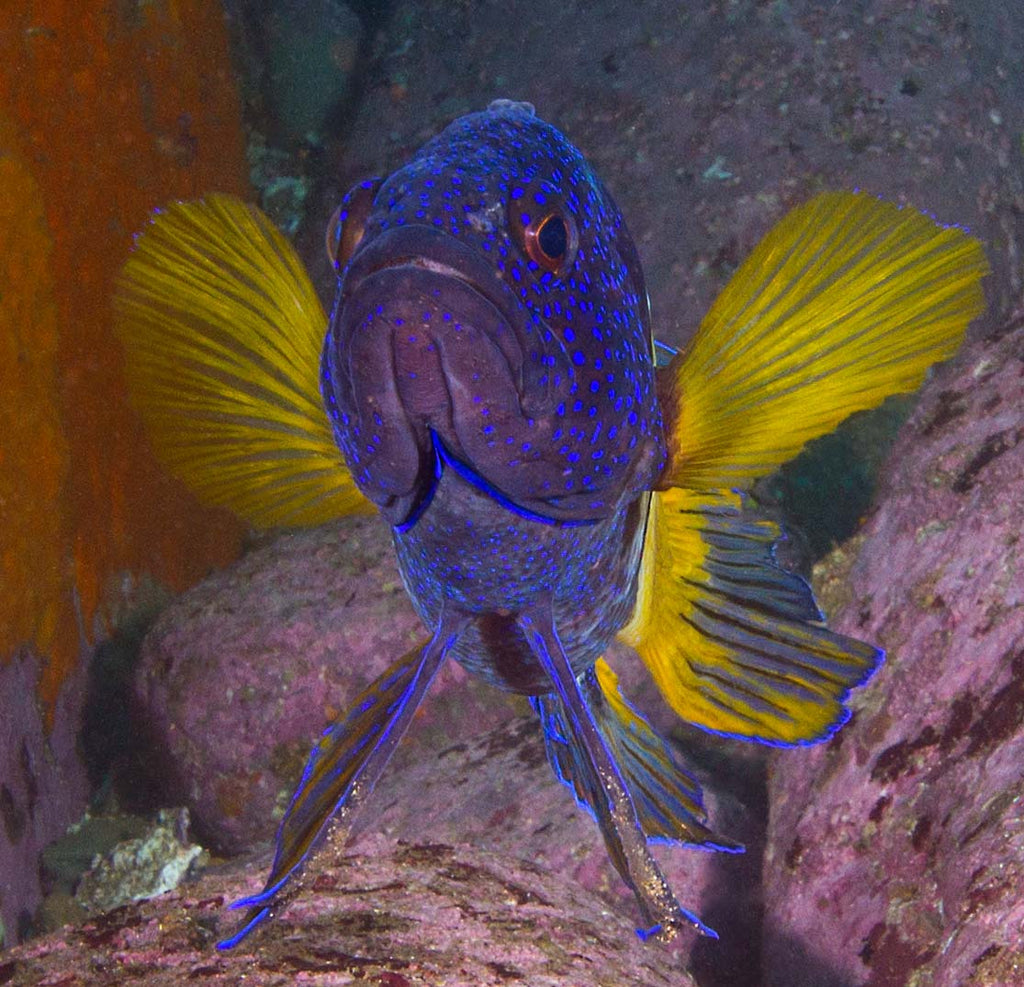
458	553
488	376
501	410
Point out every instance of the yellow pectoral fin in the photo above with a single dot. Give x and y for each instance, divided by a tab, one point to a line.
222	333
846	301
734	642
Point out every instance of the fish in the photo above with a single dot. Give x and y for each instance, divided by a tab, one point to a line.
554	478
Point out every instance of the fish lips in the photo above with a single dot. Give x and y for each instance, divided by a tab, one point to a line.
427	340
455	264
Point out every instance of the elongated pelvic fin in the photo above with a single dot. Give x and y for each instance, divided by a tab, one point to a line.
222	333
342	770
597	774
732	640
846	301
667	799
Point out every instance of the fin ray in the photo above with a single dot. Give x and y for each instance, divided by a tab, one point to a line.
342	770
597	774
668	799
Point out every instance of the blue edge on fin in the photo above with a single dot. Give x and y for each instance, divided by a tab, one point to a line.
257	919
390	723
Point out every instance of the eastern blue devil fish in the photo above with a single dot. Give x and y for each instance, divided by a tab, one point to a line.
489	382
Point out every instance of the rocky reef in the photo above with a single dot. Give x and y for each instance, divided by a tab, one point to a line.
896	852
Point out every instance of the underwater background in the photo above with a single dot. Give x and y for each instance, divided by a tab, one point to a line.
891	854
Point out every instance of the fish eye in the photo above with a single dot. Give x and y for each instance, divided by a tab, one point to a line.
553	238
348	222
550	241
543	228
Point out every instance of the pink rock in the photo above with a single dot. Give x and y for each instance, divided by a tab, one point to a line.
241	674
896	852
707	131
497	792
385	913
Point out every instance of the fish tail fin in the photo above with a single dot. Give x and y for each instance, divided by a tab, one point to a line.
341	771
222	333
668	800
845	301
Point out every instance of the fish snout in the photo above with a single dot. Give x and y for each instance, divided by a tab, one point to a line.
425	341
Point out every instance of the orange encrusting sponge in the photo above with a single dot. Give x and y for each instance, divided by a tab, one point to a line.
111	110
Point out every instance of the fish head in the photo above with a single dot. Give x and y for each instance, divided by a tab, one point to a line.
491	302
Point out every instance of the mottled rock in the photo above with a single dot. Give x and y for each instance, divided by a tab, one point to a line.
707	121
290	635
142	867
896	853
387	913
496	791
239	676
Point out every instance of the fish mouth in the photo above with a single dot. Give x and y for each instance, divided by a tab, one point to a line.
446	257
430	349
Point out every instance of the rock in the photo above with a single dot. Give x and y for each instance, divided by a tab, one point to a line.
43	786
65	861
289	636
707	122
497	792
312	48
86	512
896	853
241	674
394	914
143	867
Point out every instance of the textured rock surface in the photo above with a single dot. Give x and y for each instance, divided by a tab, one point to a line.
496	791
311	47
395	915
43	788
708	120
896	853
106	112
240	675
142	867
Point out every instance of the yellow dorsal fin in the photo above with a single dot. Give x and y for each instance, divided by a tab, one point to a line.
847	300
222	333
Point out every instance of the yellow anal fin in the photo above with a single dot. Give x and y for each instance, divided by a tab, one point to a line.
733	641
847	300
222	333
